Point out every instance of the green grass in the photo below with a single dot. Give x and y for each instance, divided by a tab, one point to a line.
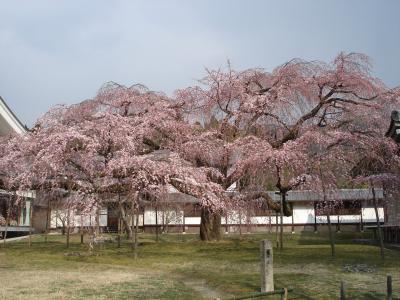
182	267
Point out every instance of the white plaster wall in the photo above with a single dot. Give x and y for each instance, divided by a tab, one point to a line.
86	220
303	214
27	214
263	220
368	214
192	220
342	219
173	217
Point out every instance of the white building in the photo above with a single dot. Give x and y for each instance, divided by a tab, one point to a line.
182	214
20	218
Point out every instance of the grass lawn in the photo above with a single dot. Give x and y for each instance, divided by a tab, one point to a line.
182	267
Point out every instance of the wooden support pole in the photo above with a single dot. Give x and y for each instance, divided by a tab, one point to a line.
284	295
292	219
276	230
183	221
81	229
269	222
361	221
135	242
240	223
283	195
8	214
143	230
30	222
389	291
156	208
342	291
378	222
315	217
97	220
226	224
48	213
68	226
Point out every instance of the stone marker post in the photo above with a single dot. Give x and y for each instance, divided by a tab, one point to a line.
267	268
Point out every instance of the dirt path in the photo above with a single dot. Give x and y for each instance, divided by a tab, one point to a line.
15	239
202	288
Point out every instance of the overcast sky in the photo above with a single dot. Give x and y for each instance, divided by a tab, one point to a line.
63	51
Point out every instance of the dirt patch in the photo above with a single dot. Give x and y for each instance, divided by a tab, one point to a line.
203	289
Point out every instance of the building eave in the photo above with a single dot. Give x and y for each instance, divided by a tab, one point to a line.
11	118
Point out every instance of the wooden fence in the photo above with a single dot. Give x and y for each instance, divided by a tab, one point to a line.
389	288
283	292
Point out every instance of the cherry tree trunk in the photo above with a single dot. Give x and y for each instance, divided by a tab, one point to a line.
124	219
210	226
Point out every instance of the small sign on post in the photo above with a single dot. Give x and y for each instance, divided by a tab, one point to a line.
267	268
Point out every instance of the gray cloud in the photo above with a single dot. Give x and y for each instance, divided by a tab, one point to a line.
63	51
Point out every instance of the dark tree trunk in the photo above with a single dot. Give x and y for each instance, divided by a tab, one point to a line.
378	223
63	228
210	226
